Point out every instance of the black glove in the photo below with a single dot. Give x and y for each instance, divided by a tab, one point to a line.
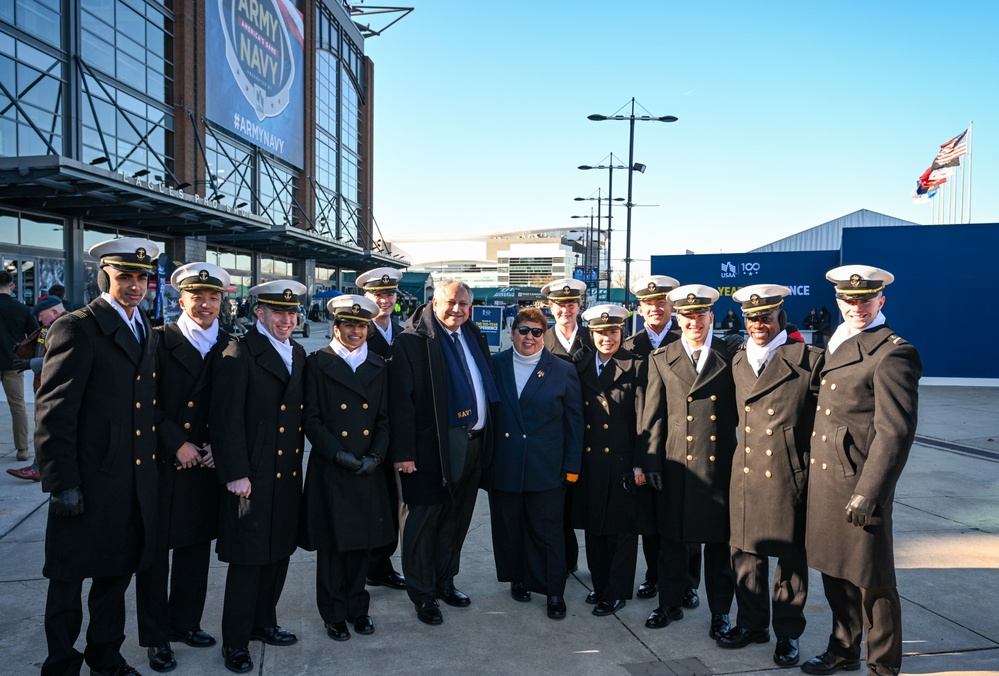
21	365
654	479
66	503
368	464
859	510
628	481
347	460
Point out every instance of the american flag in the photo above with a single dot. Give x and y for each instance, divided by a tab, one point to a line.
951	151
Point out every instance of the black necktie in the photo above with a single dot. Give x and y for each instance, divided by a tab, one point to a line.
461	357
694	357
760	372
137	329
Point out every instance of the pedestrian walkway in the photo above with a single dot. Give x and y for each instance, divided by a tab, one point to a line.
947	548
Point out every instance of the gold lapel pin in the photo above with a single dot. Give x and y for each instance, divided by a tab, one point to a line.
541	374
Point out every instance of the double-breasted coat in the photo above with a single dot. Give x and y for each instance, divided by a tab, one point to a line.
418	403
377	342
689	422
611	411
538	433
581	343
258	416
188	498
770	466
865	422
96	430
345	410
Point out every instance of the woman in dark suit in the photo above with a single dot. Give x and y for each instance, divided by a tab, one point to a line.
538	441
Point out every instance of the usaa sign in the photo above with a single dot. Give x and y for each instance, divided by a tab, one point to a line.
254	77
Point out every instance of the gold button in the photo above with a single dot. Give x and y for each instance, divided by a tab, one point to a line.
279	475
823	381
364	406
690	457
748	449
690	418
714	417
138	405
154	374
138	433
294	473
343	407
280	452
523	436
587	427
823	437
770	411
713	397
818	408
138	462
301	406
768	474
587	403
813	434
606	450
823	465
154	402
690	398
298	450
606	425
154	456
746	470
711	458
138	377
769	452
587	449
366	432
283	407
299	429
833	386
713	438
507	435
749	409
812	461
154	428
281	430
748	429
690	438
187	426
344	433
604	404
770	433
190	404
827	411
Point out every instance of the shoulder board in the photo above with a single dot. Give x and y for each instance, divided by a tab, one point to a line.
897	340
79	314
659	350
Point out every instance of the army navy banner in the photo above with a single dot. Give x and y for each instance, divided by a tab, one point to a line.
253	73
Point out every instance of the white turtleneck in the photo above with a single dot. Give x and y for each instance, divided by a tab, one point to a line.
523	367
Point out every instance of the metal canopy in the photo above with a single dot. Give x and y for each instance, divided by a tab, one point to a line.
292	242
66	187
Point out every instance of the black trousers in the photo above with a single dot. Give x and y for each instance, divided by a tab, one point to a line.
434	534
159	613
612	560
719	583
380	561
693	565
569	533
251	598
650	548
340	592
527	539
876	608
64	619
790	591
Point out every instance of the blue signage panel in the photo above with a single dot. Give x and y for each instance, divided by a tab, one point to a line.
489	319
804	272
253	73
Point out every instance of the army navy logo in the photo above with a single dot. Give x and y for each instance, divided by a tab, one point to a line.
355	309
855	280
754	299
258	48
652	287
203	275
140	254
605	317
288	294
691	298
386	279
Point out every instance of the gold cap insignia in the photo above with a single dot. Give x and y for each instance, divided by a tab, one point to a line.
566	289
288	294
355	309
691	298
203	275
386	279
754	299
140	253
604	317
855	280
652	287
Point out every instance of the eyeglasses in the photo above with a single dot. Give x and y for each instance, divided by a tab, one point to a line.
524	330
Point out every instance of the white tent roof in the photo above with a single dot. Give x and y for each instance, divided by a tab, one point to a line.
829	236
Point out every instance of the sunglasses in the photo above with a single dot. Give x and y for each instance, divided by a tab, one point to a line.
524	330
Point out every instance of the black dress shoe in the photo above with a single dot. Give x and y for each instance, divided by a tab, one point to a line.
605	608
593	598
196	639
273	636
786	653
364	625
161	658
519	592
719	625
829	663
556	607
453	597
740	637
120	669
647	590
337	631
237	659
661	617
690	598
429	612
393	581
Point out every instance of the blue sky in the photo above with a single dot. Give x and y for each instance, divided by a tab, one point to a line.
791	114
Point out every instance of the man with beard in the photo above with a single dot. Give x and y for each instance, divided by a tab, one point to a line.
864	428
775	384
188	487
381	286
257	445
95	441
440	391
690	418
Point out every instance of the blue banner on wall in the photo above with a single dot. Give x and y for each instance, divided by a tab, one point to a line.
803	272
254	75
489	319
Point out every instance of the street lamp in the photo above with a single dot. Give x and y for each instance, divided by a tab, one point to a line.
632	168
600	200
588	260
610	196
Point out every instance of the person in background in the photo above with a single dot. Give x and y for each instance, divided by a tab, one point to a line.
538	442
16	323
730	324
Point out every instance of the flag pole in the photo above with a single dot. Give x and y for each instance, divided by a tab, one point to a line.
971	134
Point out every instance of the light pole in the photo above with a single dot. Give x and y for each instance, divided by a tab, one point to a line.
632	167
610	196
600	200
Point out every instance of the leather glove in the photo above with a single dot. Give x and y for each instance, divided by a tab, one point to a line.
348	461
655	479
628	481
368	464
21	365
859	510
66	503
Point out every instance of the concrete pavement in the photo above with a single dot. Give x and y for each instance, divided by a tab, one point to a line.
947	550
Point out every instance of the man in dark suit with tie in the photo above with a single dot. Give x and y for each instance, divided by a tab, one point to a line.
776	380
95	441
538	436
381	286
169	602
258	444
690	422
864	428
440	391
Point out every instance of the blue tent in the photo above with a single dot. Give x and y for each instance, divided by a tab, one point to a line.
328	293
